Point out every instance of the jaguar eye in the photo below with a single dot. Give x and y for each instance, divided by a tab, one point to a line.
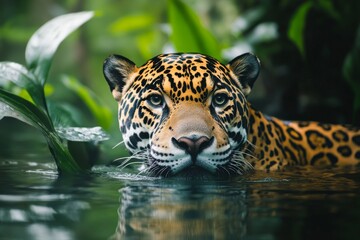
155	100
220	99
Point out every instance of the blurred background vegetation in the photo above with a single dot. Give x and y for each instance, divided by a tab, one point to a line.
309	50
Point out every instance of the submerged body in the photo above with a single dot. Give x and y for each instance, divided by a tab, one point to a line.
180	111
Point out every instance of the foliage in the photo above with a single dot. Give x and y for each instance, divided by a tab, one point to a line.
187	32
39	54
340	19
297	25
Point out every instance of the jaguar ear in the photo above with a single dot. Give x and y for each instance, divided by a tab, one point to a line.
117	71
246	69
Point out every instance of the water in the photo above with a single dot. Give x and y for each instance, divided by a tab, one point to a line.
35	203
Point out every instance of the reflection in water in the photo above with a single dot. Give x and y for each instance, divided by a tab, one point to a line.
35	203
196	210
33	208
266	206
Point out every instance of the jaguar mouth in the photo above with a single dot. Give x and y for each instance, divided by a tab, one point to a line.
191	170
195	171
225	164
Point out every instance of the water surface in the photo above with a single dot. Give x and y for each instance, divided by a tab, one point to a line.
35	203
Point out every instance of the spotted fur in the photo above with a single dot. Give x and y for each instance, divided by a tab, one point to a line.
189	112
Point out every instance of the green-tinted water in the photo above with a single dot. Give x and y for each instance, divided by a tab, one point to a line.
37	204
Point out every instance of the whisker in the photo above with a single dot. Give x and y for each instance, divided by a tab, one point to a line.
251	144
239	164
128	164
118	144
226	170
153	171
167	172
239	169
122	158
146	170
248	155
236	169
164	170
128	158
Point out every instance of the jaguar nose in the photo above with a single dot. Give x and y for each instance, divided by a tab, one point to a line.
194	145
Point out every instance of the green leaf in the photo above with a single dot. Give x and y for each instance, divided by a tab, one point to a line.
19	75
24	111
17	107
64	160
146	43
297	26
16	73
101	112
13	33
48	89
188	33
132	23
45	41
82	134
22	93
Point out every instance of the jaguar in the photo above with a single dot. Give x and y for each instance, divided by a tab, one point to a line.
182	112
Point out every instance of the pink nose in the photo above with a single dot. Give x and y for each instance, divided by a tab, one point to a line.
193	146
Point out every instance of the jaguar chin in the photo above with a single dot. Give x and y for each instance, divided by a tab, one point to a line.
187	112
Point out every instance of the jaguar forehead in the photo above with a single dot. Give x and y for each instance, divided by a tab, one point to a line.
183	76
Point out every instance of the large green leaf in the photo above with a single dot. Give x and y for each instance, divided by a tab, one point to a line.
44	42
188	33
64	143
297	26
82	134
19	75
17	107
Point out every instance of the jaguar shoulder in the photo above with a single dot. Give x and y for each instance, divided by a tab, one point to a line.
185	111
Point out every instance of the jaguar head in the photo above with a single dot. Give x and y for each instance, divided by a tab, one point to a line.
184	111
